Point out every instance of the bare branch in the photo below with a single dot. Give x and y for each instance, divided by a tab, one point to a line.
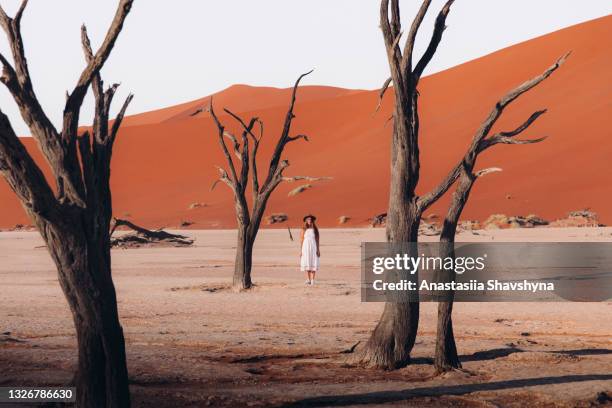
75	100
100	124
17	79
244	154
224	177
255	177
282	141
19	13
434	195
23	175
86	44
382	91
486	171
226	152
497	139
436	37
252	162
239	120
244	170
396	26
406	64
480	141
61	157
9	77
534	116
391	35
514	94
294	138
119	118
84	144
214	184
108	96
235	144
290	114
306	178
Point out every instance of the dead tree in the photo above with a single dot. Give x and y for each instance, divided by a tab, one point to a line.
74	218
145	237
237	179
446	357
393	337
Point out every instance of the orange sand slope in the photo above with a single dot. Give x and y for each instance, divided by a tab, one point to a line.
164	160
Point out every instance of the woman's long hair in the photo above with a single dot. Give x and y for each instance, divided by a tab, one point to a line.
313	225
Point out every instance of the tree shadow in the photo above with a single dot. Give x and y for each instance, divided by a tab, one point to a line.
381	397
584	352
506	351
490	354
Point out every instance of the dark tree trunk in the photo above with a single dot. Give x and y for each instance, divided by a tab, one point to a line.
244	260
446	357
80	249
391	342
393	338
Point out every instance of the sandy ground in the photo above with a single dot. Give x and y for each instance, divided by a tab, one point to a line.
193	342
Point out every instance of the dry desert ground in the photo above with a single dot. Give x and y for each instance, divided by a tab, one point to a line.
193	342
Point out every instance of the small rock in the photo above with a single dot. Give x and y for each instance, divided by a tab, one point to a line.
580	218
429	229
497	221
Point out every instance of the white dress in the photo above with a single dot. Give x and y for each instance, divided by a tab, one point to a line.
309	260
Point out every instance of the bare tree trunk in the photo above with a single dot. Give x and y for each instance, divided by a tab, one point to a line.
394	336
446	357
244	260
81	251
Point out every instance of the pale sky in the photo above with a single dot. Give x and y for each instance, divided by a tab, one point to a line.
175	51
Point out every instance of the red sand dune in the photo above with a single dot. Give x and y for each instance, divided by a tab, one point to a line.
164	160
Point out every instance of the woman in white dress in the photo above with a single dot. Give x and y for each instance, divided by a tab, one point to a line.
309	256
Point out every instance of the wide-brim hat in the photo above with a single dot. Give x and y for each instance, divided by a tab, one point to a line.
309	216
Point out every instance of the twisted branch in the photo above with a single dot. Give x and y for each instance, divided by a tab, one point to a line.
482	141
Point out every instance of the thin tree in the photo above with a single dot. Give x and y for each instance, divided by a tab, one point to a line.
446	357
393	337
249	219
73	219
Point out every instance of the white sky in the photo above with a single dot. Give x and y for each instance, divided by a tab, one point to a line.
179	50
